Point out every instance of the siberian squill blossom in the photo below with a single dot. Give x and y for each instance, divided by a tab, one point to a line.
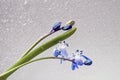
79	59
61	50
76	60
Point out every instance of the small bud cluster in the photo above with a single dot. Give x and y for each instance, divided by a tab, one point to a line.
57	26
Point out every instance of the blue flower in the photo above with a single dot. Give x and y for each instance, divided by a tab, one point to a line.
76	60
56	26
61	51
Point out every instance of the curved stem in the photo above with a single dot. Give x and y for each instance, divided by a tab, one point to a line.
9	72
37	42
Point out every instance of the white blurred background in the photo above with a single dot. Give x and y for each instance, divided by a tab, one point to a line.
22	22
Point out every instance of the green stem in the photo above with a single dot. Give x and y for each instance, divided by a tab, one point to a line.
9	72
29	56
37	42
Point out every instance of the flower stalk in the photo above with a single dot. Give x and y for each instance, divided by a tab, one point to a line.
37	42
8	73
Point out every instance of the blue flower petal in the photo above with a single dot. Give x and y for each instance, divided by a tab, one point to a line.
88	61
56	52
80	62
56	26
74	66
63	52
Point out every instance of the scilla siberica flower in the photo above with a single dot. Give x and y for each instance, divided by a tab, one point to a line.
77	59
61	50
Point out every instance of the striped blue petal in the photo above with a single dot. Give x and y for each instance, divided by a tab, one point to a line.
63	52
74	66
56	52
87	61
79	62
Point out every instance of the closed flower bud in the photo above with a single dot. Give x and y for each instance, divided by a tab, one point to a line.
56	26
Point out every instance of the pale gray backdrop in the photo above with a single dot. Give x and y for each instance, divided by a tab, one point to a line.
22	22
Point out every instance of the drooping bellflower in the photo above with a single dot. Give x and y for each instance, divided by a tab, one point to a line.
76	60
61	50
